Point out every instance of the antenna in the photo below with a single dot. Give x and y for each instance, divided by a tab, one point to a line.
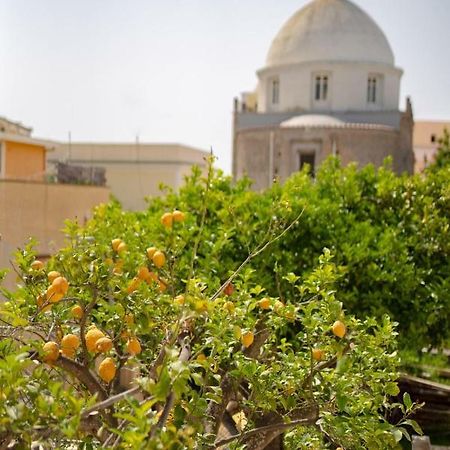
69	156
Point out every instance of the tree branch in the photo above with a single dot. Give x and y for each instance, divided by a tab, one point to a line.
259	249
83	374
277	427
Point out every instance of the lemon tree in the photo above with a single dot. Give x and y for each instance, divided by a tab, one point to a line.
158	330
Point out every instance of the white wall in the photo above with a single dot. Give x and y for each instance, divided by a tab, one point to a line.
347	87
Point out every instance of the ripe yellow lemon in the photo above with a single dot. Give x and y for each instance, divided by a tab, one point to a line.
247	339
159	259
122	247
264	303
40	302
51	351
317	354
153	278
107	370
134	346
53	294
77	312
167	219
278	306
150	252
179	300
133	285
143	273
52	275
178	216
92	336
70	341
104	345
37	265
201	357
61	285
68	352
115	244
339	329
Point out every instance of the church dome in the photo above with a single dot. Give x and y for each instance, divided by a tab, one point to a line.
330	31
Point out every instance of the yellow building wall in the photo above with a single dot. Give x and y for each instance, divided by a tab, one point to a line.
24	161
30	209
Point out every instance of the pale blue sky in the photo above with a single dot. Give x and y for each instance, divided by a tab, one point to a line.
108	70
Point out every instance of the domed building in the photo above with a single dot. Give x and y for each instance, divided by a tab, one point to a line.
329	86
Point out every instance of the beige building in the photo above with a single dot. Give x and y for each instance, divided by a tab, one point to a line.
426	142
329	86
133	170
30	206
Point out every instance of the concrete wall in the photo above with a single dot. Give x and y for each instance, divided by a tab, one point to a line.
347	87
133	171
32	209
363	146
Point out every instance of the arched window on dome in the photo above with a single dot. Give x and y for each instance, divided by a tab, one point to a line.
321	87
321	90
275	91
374	89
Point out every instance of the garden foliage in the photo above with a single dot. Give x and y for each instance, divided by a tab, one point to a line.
220	345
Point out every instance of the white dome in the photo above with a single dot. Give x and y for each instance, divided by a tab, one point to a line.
330	30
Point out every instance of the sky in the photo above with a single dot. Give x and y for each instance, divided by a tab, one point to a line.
167	71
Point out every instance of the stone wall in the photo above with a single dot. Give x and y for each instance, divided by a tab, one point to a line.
362	145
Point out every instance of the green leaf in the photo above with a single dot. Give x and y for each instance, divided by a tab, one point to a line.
407	400
414	425
398	435
198	379
341	401
392	389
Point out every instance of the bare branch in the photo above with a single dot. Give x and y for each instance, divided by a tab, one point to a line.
278	427
259	249
83	320
83	374
184	356
109	401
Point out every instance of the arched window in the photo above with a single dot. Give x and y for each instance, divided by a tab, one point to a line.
275	91
321	87
372	89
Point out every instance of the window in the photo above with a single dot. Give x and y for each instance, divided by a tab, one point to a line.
372	89
308	158
321	87
275	91
433	138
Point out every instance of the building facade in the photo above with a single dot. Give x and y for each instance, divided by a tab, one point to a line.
329	86
133	171
427	134
31	207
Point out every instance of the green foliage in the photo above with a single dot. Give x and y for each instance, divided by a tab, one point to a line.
357	248
389	235
443	154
